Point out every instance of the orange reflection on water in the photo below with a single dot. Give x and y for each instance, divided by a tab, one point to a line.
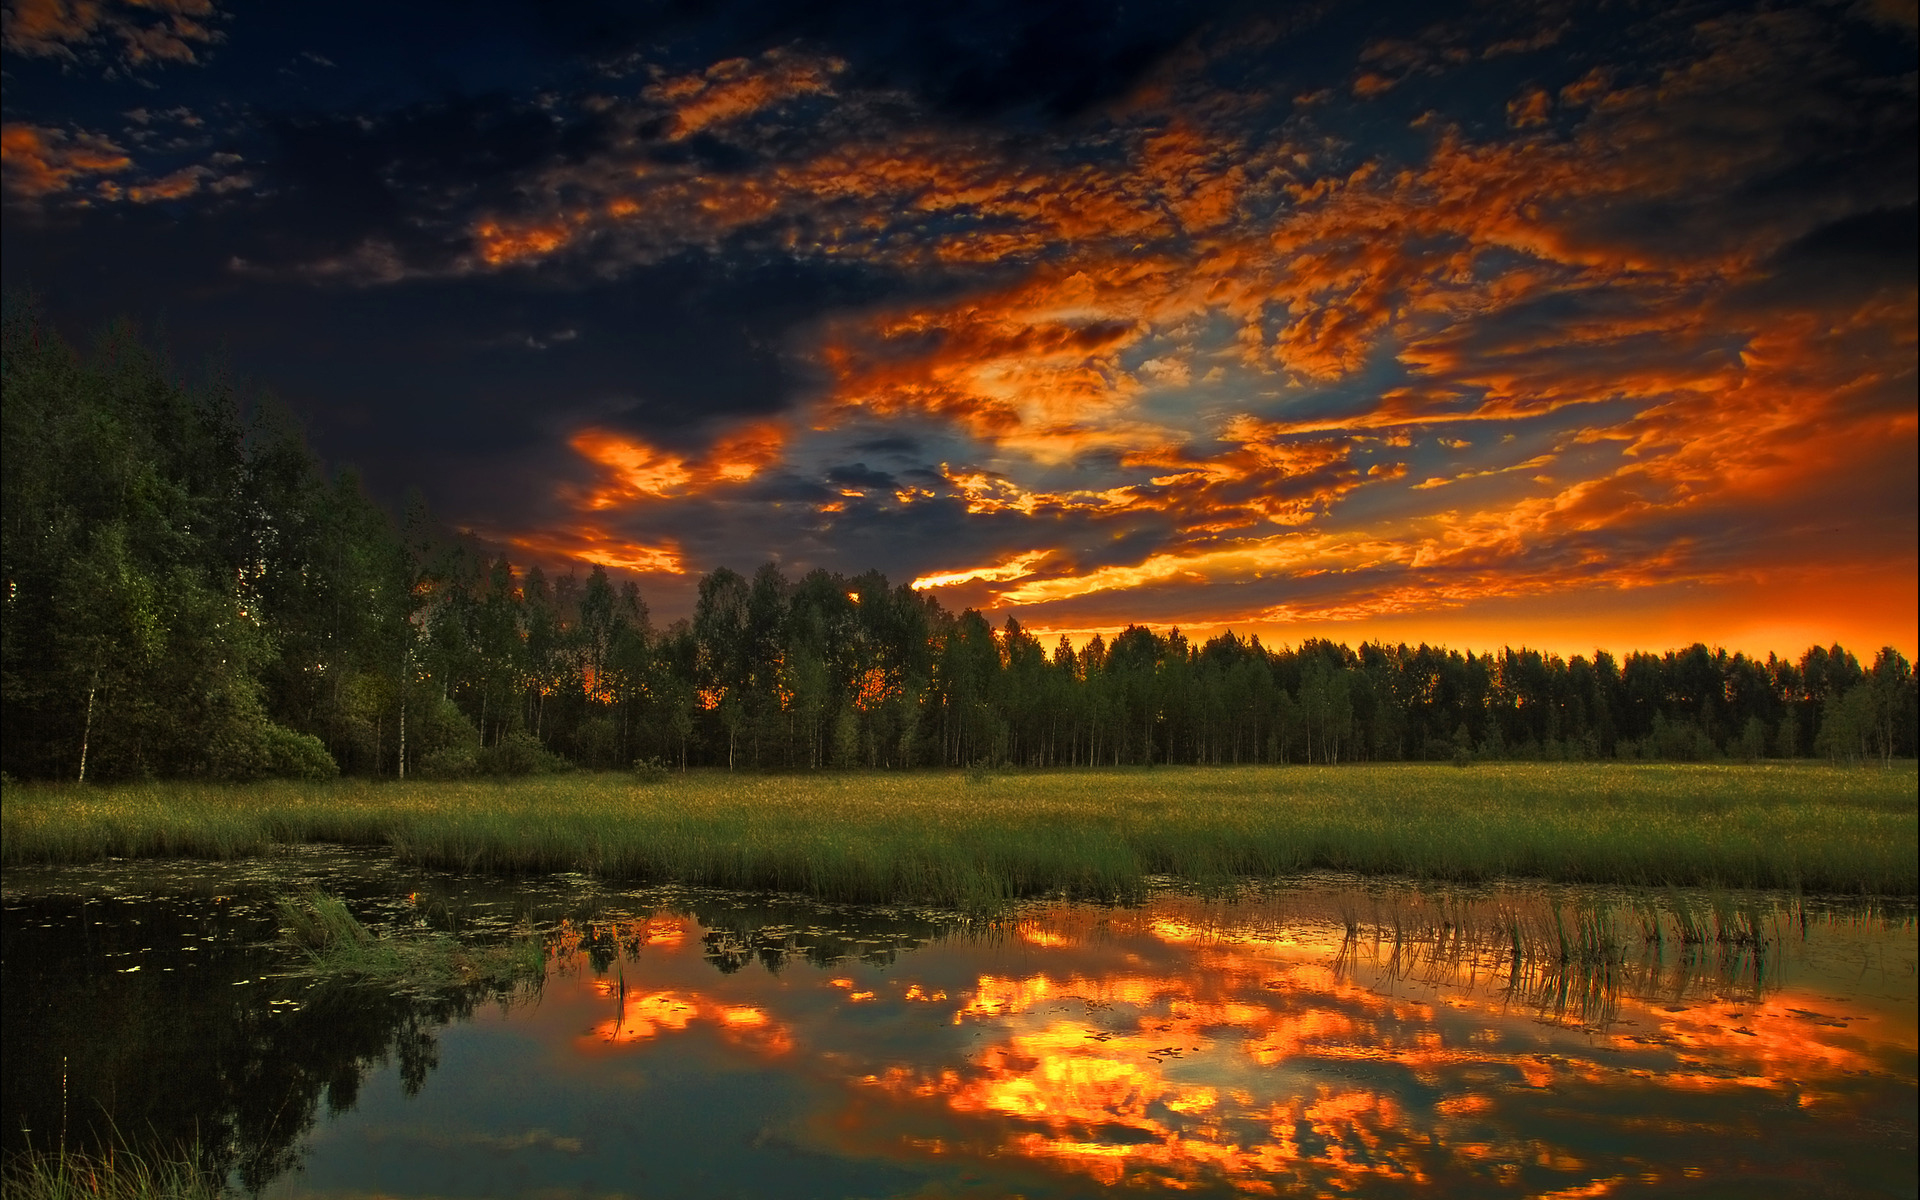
1169	1048
1272	1064
643	1017
1144	1099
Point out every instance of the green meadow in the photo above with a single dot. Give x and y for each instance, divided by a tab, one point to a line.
974	839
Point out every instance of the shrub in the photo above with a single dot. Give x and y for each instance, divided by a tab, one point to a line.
518	753
453	762
291	755
448	745
597	742
248	746
650	770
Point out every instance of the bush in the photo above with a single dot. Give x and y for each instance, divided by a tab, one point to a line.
447	745
452	762
438	724
291	755
245	745
650	770
518	753
597	743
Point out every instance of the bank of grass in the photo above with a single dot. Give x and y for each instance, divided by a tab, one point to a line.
972	840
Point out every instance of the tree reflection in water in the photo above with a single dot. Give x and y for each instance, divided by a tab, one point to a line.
162	1022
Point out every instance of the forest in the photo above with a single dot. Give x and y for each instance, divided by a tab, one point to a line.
191	594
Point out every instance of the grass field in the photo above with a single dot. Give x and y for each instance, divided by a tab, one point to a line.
951	838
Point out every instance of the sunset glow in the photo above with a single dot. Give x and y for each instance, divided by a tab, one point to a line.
1481	326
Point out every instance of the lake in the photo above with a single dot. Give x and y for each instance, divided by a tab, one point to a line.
1323	1035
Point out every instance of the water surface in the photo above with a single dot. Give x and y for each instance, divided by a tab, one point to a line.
1325	1037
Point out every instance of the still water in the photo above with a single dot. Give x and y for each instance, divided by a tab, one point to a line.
1322	1036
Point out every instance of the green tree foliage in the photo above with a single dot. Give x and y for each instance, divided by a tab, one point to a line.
189	594
136	631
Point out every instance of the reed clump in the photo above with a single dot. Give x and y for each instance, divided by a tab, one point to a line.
947	838
331	944
1575	954
115	1174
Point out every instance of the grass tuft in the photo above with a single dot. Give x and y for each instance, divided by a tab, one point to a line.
116	1174
336	947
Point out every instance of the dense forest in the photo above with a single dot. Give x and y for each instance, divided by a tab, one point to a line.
189	593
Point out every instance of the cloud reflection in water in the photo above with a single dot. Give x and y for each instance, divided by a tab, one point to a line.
1239	1049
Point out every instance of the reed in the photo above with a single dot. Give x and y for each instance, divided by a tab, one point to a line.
1567	955
116	1174
938	838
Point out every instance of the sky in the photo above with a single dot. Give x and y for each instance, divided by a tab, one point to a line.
1571	326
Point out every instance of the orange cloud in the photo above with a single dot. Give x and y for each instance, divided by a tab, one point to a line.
634	471
1370	84
591	542
1530	109
645	1016
38	161
1250	559
739	87
503	243
1018	566
181	183
1036	368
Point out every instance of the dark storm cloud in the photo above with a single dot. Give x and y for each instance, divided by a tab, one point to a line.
888	445
410	179
1841	262
973	61
859	475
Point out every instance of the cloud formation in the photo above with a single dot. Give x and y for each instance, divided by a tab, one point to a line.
1263	321
1531	281
134	32
39	161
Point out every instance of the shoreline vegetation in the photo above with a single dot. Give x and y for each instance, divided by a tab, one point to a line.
978	840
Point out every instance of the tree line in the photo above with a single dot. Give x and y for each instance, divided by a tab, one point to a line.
190	594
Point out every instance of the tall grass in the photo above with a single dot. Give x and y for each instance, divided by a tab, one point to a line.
116	1174
948	839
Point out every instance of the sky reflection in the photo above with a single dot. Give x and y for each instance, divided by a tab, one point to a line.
1247	1049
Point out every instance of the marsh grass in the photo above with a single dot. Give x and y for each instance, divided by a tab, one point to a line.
332	945
944	838
114	1174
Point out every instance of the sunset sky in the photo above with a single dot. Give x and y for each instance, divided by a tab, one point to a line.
1564	325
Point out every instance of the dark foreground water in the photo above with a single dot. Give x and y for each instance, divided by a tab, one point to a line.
1320	1037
